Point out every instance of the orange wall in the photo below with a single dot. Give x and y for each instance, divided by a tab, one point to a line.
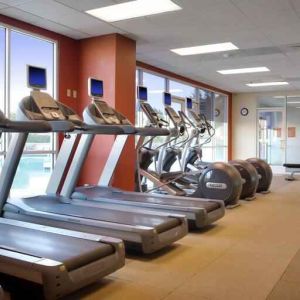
110	58
125	103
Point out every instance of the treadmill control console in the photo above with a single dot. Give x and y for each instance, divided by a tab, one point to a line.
47	106
109	115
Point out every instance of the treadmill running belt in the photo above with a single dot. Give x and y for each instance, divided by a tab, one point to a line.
52	204
95	192
73	252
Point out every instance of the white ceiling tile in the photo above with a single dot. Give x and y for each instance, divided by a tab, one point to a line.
3	6
86	4
60	14
13	2
295	4
41	22
283	35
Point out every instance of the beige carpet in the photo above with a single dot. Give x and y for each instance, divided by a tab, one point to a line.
252	253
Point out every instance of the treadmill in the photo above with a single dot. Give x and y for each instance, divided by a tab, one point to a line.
199	212
141	231
57	260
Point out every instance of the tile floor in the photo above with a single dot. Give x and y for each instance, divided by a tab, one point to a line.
252	253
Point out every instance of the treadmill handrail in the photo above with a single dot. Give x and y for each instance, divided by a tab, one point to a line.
61	126
152	131
104	129
25	126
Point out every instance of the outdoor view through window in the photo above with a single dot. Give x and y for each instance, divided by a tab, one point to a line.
24	49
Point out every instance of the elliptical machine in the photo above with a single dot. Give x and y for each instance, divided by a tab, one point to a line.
193	154
256	173
218	181
265	174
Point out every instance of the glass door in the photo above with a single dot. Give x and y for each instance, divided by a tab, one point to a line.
293	129
271	135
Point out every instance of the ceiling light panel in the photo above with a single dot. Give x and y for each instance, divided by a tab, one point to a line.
205	49
260	84
244	70
133	9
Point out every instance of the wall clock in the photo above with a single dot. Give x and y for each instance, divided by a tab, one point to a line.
244	111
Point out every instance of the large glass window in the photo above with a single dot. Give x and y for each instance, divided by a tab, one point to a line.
215	108
271	130
156	87
26	49
213	105
293	130
206	99
221	127
181	90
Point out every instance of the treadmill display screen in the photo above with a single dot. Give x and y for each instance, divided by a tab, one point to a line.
167	99
36	77
142	93
95	88
189	103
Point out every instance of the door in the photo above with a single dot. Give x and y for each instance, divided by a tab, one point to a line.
271	136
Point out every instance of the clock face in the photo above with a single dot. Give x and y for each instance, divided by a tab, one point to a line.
244	111
217	112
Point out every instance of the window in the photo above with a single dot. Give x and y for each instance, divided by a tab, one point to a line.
206	100
213	105
38	158
292	130
215	108
221	127
156	87
181	90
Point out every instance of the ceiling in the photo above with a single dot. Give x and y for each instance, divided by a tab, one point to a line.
266	31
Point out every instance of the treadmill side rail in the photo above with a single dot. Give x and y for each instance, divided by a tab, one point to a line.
57	281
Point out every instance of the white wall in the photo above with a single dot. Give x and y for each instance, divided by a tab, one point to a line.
293	144
244	128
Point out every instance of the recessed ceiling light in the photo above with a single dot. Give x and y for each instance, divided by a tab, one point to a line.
133	9
258	84
244	70
205	49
